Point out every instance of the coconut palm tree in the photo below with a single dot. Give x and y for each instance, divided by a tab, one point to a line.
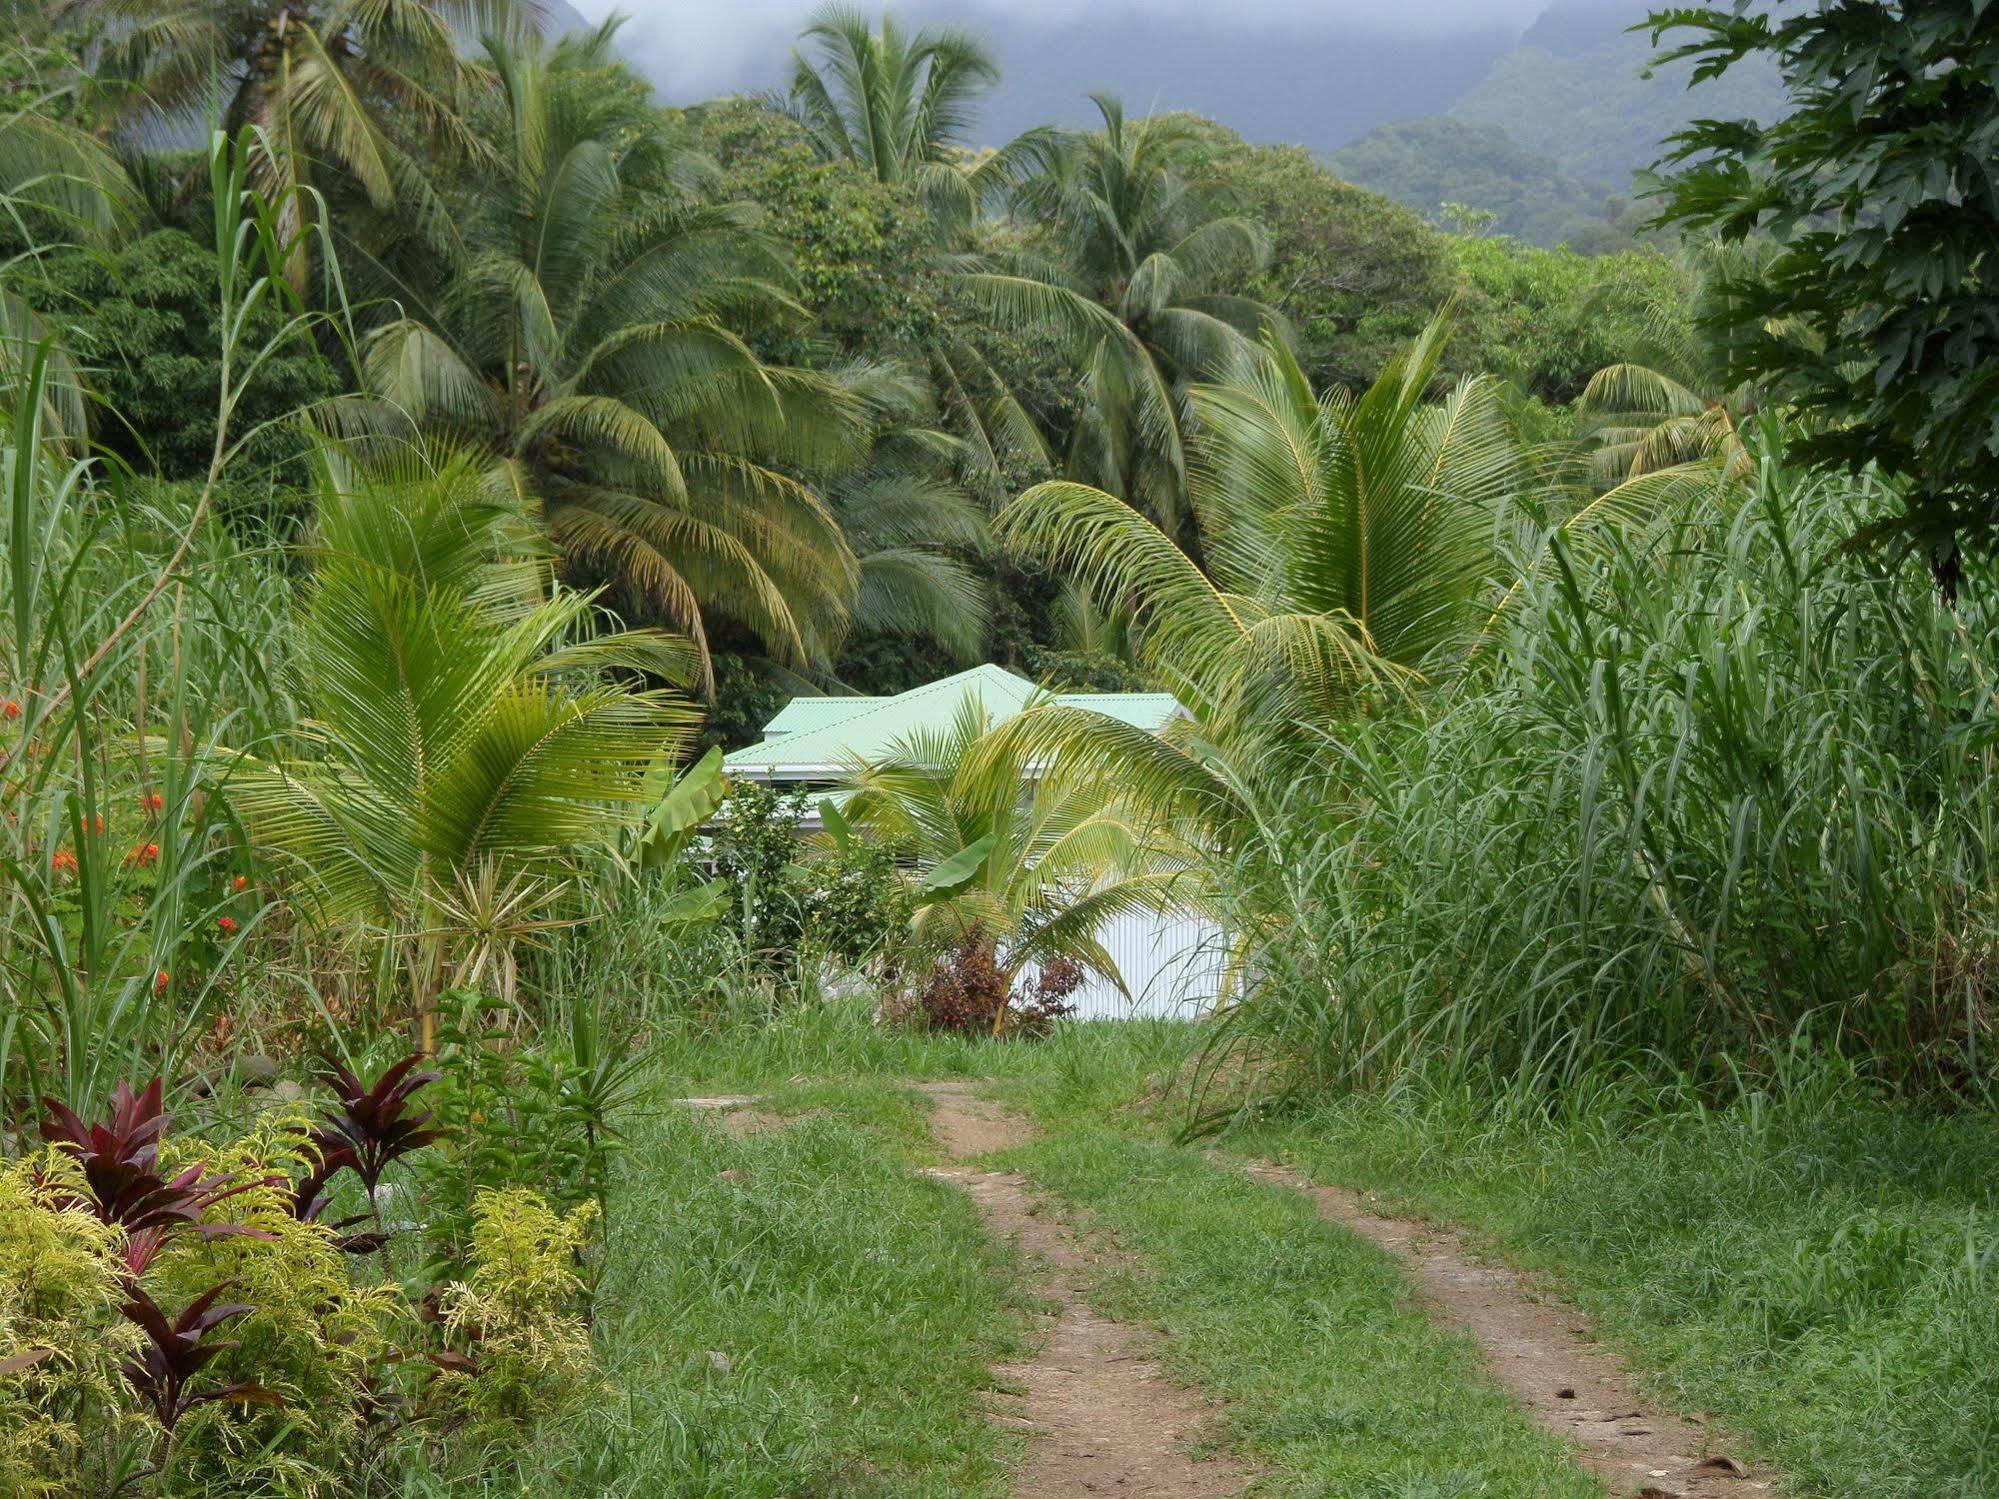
1140	263
1672	405
1036	862
1346	540
1358	549
463	737
899	105
587	334
326	81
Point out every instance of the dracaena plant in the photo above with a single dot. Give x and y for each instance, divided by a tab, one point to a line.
309	1198
373	1124
163	1370
126	1187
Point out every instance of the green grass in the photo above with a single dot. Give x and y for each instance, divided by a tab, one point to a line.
818	1322
1331	1379
1820	1274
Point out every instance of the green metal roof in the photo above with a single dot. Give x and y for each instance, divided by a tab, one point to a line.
823	735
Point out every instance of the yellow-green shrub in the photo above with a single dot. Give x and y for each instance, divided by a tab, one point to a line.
61	1334
311	1336
519	1313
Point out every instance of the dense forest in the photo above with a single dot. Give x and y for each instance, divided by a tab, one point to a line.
428	1065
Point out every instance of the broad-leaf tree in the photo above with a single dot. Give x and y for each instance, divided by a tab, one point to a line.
1879	314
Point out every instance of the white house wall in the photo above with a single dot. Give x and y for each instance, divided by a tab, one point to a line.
1171	964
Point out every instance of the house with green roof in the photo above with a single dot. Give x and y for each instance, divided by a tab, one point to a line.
1171	963
816	739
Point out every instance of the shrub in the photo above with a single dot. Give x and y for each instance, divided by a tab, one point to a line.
61	1336
518	1318
968	993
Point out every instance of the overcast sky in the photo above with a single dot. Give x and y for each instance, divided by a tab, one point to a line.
694	48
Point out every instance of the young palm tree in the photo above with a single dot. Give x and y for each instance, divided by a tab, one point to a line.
1140	263
1346	540
463	735
1358	550
1037	862
587	335
1672	408
324	80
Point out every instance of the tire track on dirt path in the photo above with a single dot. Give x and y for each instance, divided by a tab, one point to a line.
1541	1354
1102	1416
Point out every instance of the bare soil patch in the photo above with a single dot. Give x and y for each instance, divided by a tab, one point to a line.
738	1113
1541	1352
1102	1416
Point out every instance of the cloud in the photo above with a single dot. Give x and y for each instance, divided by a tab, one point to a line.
694	48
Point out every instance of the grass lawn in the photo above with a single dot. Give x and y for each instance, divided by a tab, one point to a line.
1817	1273
791	1313
1821	1273
1330	1378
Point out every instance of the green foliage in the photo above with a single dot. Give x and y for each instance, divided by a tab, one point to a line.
1036	871
1876	314
509	746
144	325
846	900
1429	162
859	247
1354	274
1547	320
519	1311
588	328
1138	258
1707	793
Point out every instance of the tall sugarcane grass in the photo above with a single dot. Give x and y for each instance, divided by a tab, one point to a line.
1728	793
136	640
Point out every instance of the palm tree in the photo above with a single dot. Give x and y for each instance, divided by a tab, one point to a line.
327	81
1346	539
1358	549
1673	406
899	106
586	334
463	740
56	176
1036	862
1140	264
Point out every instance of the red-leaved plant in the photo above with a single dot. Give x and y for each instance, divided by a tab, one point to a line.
120	1163
164	1370
373	1123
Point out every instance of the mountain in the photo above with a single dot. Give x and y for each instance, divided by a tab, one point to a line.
1428	162
1553	131
1575	90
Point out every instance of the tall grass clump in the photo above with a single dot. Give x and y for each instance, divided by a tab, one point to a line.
1701	797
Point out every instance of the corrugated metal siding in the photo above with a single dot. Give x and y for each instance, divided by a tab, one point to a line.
1171	964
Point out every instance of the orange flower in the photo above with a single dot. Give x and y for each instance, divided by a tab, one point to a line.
161	980
100	824
240	883
228	925
10	708
153	802
145	853
62	861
